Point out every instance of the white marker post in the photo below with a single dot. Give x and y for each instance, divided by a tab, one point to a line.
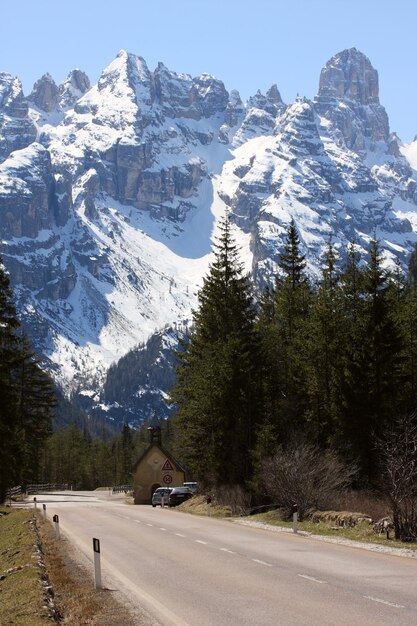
97	564
36	506
56	522
295	518
44	512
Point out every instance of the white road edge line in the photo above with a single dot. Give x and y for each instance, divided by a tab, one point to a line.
151	602
395	606
314	580
262	562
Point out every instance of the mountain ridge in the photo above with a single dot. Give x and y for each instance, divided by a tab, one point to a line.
110	195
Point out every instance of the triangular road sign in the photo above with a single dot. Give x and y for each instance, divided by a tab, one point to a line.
167	466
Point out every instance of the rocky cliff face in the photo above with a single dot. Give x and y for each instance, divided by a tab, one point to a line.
349	98
16	129
109	197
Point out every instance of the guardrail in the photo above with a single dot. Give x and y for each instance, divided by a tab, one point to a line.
48	487
12	492
122	488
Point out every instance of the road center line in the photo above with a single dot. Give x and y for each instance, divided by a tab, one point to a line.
162	528
149	524
228	551
262	562
199	541
395	606
314	580
179	535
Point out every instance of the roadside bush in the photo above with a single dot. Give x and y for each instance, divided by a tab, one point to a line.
370	503
398	459
235	497
303	474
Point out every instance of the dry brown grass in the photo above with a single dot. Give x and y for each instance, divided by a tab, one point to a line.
344	519
197	505
365	502
76	599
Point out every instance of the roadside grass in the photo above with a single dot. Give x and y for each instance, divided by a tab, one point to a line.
33	562
363	531
76	599
197	505
21	594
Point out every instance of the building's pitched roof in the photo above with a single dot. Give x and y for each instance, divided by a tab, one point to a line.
177	466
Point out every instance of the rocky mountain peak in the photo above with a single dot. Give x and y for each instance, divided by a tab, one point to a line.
349	75
173	92
273	95
298	131
349	98
73	88
12	100
16	129
45	94
271	102
128	74
210	94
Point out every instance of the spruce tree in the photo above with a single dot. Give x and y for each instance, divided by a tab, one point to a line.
217	393
371	374
291	313
323	350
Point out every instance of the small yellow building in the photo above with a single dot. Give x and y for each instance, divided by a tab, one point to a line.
155	468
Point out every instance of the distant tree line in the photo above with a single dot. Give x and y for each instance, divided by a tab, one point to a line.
330	364
72	456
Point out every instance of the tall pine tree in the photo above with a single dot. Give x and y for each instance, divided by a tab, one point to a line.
218	391
289	332
323	350
371	375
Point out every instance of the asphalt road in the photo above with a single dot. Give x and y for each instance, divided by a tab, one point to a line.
200	571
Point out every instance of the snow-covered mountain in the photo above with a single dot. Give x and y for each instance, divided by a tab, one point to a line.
110	196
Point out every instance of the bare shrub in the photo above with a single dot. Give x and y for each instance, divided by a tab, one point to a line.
235	497
364	501
398	457
303	474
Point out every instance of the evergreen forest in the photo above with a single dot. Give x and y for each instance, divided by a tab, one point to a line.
330	364
326	365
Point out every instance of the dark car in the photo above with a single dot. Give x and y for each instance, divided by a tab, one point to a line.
158	494
179	495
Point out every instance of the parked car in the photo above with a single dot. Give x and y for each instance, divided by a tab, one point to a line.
158	494
192	486
179	495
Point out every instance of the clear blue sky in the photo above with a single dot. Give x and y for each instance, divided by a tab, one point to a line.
249	44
